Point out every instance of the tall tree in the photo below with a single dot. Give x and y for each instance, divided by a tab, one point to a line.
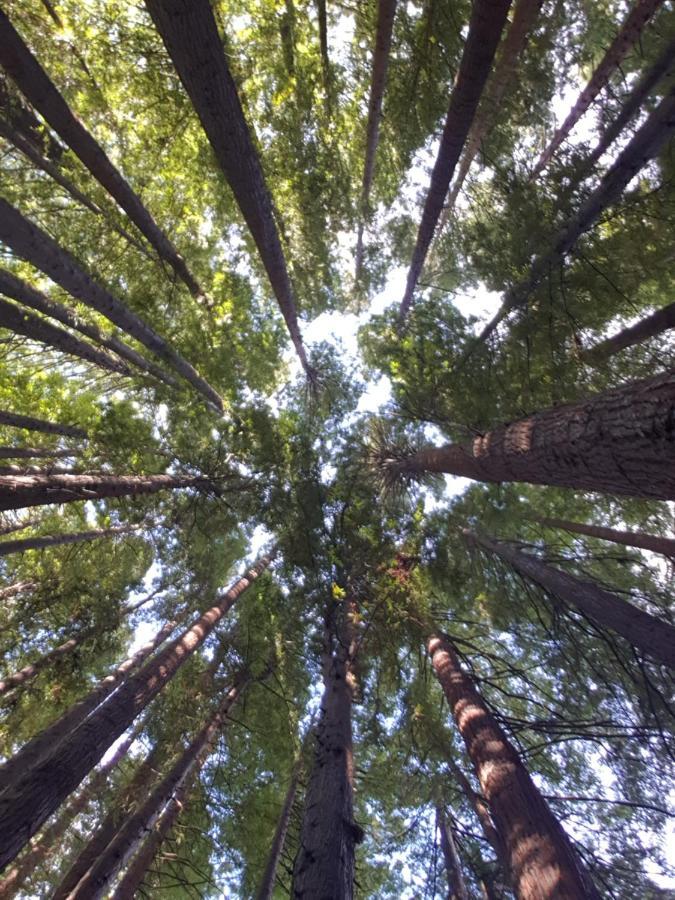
453	865
652	542
651	326
34	453
16	420
59	540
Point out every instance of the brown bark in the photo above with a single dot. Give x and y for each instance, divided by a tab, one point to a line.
18	492
649	634
386	10
31	424
34	453
190	34
19	587
322	16
649	327
38	792
485	28
482	812
543	863
58	540
627	36
142	821
12	527
23	293
453	865
618	442
652	542
37	247
37	87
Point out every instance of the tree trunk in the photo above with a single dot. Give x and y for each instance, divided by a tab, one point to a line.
485	28
34	453
619	442
37	793
651	542
40	330
18	492
524	16
643	147
453	866
23	293
30	424
57	540
19	587
18	526
650	635
190	35
29	672
657	323
622	43
322	17
543	862
37	247
142	822
324	866
37	87
386	10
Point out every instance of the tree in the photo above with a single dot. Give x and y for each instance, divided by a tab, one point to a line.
657	323
652	542
31	424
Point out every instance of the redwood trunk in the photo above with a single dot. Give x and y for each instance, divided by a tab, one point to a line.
657	323
453	865
485	28
19	587
35	453
37	247
37	87
482	811
629	34
619	442
30	424
188	29
542	860
662	545
26	804
650	635
58	540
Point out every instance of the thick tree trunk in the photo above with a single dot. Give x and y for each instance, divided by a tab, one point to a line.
386	10
654	543
485	28
629	34
34	453
650	635
189	31
543	863
142	821
35	84
324	866
18	492
453	865
657	323
23	293
42	331
58	540
619	442
643	147
38	792
30	424
37	247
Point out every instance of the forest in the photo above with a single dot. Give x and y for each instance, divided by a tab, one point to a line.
337	449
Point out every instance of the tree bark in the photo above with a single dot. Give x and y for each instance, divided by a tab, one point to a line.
453	865
37	87
651	542
38	792
543	863
23	293
58	540
386	10
34	453
618	442
485	28
141	823
482	812
30	424
19	587
19	492
37	247
629	34
650	635
657	323
190	34
18	526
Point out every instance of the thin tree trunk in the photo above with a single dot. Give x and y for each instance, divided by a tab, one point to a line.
622	43
453	865
324	866
190	34
142	821
58	540
650	635
618	442
34	453
386	11
30	424
23	293
37	87
657	323
644	146
18	526
323	44
29	672
485	28
482	812
42	331
19	492
38	792
37	247
543	863
19	587
524	17
652	542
